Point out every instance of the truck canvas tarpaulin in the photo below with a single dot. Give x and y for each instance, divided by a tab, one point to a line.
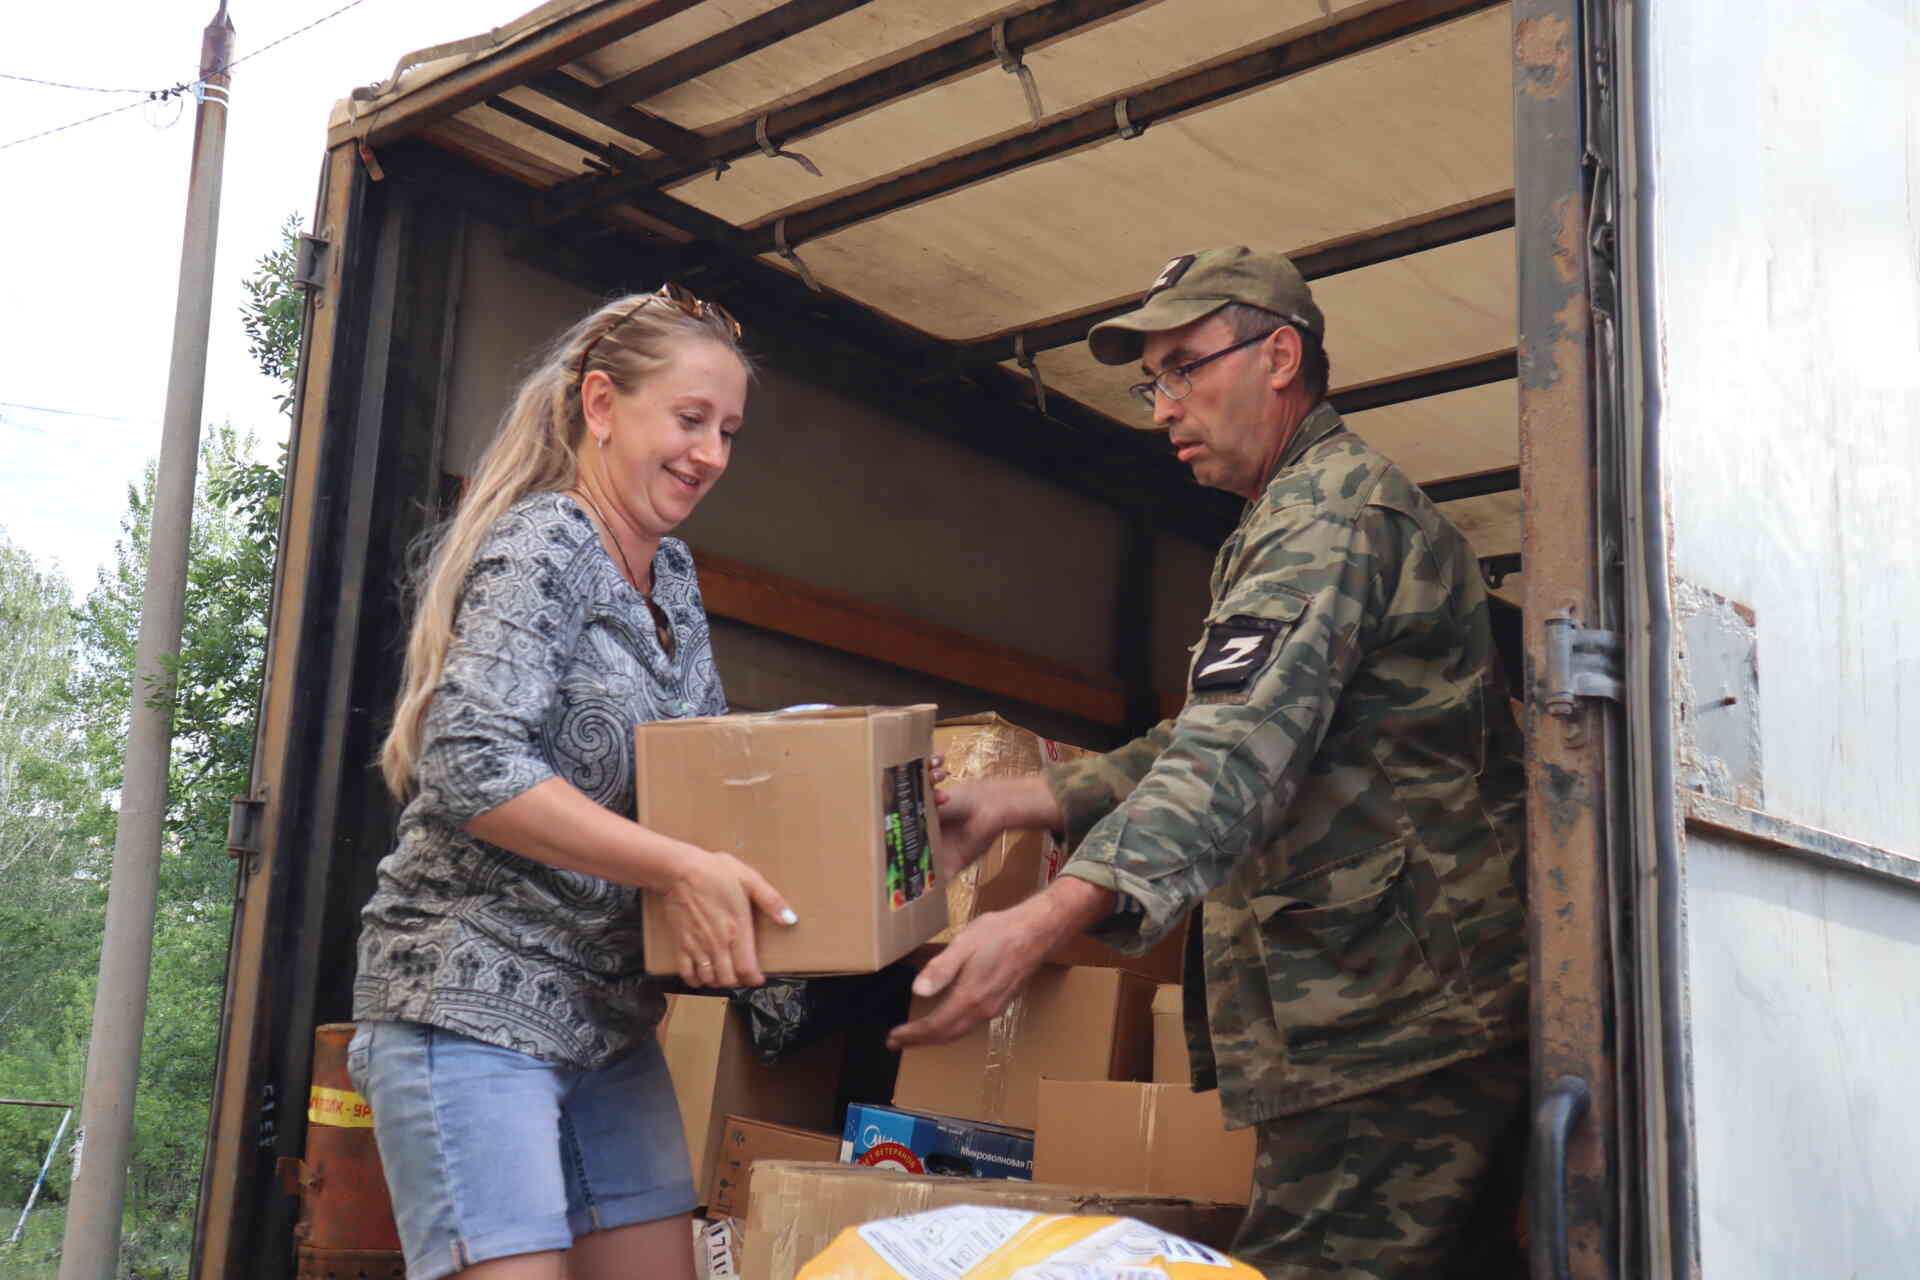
835	807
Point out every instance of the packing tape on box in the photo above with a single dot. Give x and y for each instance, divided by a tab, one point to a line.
1147	1121
995	749
742	770
798	1202
1003	1038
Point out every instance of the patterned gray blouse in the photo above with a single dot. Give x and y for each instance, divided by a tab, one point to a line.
553	661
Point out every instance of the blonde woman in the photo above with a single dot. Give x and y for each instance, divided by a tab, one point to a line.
524	1116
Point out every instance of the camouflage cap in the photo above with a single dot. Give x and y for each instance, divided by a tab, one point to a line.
1195	285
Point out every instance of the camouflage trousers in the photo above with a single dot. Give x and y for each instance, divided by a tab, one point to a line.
1422	1178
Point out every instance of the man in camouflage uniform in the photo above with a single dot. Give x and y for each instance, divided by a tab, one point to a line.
1341	796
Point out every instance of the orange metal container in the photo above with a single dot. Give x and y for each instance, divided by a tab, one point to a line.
346	1221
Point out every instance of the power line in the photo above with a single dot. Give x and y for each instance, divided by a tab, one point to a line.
61	84
327	17
47	133
157	95
71	413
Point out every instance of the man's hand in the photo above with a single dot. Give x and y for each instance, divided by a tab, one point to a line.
974	814
994	957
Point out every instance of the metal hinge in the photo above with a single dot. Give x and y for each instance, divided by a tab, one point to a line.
310	264
244	821
1581	663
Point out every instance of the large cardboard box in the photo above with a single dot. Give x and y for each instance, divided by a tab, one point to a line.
1018	862
887	1138
709	1053
1021	863
1171	1062
744	1141
1069	1024
799	1208
834	807
1157	1139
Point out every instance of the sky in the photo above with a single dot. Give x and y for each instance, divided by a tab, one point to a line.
91	221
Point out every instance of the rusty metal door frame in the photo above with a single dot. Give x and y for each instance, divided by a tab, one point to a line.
1570	469
1613	1182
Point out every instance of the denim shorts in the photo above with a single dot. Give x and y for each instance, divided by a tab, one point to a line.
490	1153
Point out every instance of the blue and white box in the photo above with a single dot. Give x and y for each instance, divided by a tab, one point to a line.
913	1142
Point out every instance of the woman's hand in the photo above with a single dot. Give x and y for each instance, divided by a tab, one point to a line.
709	906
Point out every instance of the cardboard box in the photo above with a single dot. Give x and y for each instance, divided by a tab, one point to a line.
1156	1139
886	1138
834	807
799	1208
1018	862
1021	863
1069	1024
1171	1062
709	1053
744	1140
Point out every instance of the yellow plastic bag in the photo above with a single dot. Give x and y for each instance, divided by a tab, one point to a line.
973	1242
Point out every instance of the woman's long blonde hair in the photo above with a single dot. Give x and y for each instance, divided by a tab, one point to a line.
536	451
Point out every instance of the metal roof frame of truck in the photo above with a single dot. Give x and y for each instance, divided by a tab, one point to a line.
918	208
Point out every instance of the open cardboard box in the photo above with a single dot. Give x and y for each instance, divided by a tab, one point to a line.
709	1054
1171	1062
1153	1139
743	1141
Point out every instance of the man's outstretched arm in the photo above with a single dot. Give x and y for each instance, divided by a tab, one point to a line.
993	958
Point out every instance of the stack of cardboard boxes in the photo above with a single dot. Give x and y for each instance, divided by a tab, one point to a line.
1073	1100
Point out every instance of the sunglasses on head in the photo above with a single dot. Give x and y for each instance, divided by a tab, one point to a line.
671	295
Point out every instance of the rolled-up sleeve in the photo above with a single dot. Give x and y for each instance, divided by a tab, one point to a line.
1313	584
1090	789
521	612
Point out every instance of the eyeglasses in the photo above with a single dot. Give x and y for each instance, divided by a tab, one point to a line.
1176	382
680	300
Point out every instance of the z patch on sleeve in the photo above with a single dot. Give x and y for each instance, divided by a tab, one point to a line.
1235	652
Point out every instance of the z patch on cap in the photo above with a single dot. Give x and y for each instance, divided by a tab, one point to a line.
1236	651
1171	273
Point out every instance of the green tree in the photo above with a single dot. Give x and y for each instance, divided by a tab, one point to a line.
273	311
48	937
85	688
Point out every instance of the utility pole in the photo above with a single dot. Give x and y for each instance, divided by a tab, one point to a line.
91	1250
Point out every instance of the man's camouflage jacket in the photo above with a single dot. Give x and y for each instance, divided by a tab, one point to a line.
1342	790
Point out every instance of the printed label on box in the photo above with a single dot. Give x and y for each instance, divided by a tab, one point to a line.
943	1244
891	1155
909	851
1132	1243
